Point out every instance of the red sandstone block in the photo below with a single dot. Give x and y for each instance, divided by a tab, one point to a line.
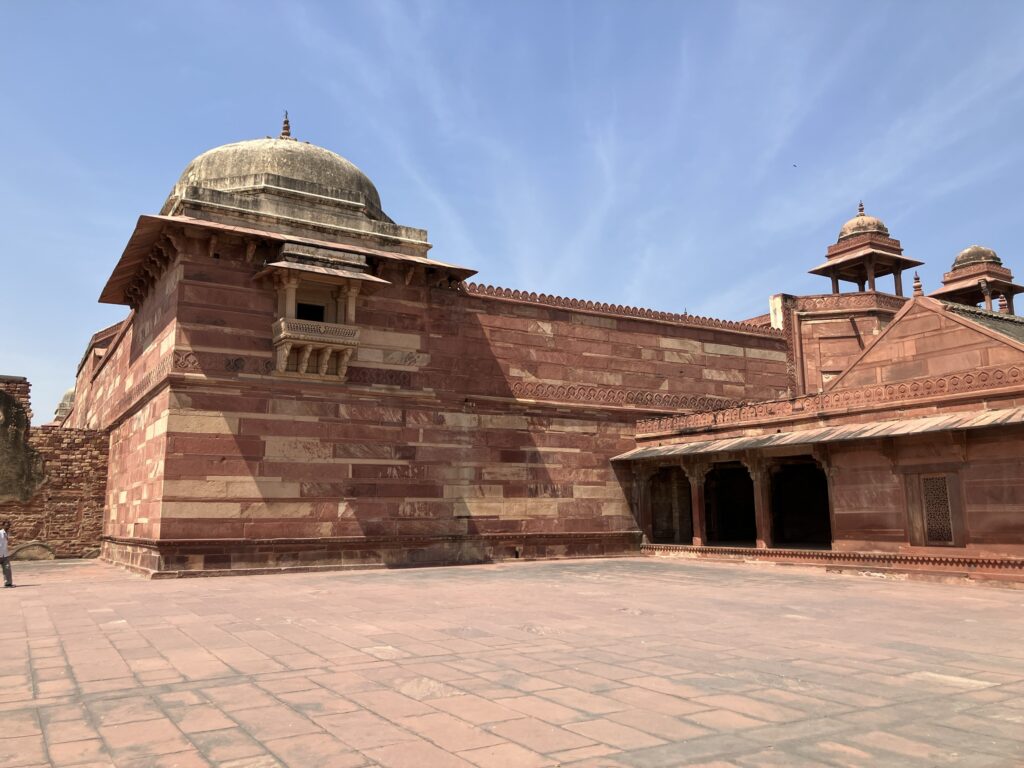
238	446
308	471
283	427
201	528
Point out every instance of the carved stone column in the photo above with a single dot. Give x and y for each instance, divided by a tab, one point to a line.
695	473
986	291
824	458
286	296
340	296
350	307
760	474
642	500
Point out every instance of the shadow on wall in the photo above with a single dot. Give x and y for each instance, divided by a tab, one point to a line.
440	466
21	467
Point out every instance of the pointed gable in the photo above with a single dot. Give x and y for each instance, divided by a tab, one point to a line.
931	338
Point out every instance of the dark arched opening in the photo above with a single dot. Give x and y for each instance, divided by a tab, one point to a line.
729	506
800	513
671	521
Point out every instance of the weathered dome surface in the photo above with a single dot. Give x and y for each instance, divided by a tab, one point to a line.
976	254
317	169
862	223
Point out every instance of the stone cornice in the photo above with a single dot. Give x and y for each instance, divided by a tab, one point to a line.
980	269
825	403
618	310
849	301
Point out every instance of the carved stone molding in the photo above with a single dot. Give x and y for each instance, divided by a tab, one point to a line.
969	381
533	390
185	360
618	310
213	362
382	376
842	301
884	559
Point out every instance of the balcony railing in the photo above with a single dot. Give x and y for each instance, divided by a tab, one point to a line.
316	346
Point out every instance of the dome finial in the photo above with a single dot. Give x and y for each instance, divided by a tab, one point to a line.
918	290
286	127
860	206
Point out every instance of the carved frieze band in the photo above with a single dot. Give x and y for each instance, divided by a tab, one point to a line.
211	362
142	386
607	396
383	376
849	301
980	379
617	309
858	558
977	269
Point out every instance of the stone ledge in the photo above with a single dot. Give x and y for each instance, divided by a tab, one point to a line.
999	569
223	557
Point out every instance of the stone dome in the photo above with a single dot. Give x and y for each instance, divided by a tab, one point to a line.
67	402
862	223
976	254
298	165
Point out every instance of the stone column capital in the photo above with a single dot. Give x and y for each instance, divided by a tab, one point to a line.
696	471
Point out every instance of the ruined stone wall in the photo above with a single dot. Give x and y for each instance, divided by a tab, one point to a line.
52	480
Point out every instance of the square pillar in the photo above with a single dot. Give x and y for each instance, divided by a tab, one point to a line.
642	501
897	278
760	474
350	305
696	473
286	298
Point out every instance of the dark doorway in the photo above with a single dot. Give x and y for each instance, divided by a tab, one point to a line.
671	521
800	515
729	506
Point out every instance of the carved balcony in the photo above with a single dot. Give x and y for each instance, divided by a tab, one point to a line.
307	347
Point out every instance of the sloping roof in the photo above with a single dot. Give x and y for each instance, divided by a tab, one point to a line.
869	430
148	230
1010	326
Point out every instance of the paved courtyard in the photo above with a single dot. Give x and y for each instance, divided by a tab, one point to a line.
635	662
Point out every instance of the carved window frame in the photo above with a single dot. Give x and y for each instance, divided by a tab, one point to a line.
917	509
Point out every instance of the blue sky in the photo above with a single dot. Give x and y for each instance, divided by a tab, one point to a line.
675	155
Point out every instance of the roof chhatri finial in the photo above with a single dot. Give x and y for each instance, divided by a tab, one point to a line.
860	206
286	127
918	290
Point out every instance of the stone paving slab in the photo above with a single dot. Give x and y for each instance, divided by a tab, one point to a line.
627	662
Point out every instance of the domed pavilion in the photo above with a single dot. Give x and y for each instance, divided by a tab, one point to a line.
863	252
978	276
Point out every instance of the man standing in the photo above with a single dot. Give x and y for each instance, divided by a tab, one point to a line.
5	559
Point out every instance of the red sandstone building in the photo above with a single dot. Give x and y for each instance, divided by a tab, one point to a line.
299	384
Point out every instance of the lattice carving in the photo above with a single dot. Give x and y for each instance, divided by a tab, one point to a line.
619	310
938	520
